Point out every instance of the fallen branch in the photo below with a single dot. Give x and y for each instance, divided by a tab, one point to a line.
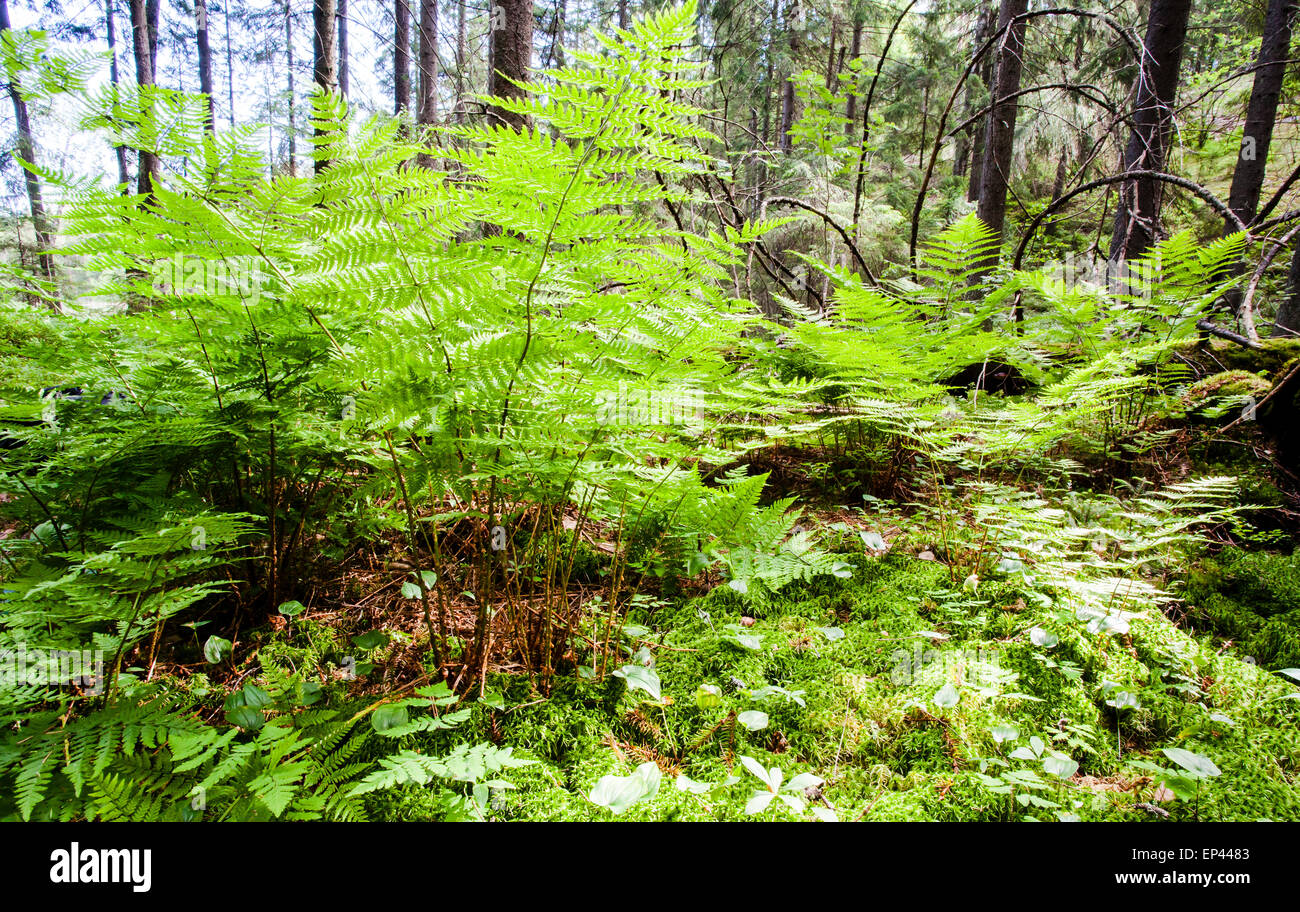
848	241
1214	330
1213	201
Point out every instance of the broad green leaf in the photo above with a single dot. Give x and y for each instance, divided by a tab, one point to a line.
873	541
708	696
757	769
246	717
947	696
639	677
216	649
371	639
1059	765
686	784
389	716
758	802
618	793
1040	637
1003	733
255	696
1199	765
803	781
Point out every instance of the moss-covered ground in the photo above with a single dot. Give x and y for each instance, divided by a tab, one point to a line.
917	699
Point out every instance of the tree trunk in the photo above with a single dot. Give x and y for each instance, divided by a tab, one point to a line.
27	157
123	174
512	50
1261	112
768	77
985	73
149	166
230	65
623	20
787	84
460	61
561	29
401	56
851	105
426	111
152	10
1288	312
1137	214
1000	133
205	60
1062	171
325	56
830	54
343	46
293	116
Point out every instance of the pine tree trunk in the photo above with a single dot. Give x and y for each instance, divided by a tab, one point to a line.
830	54
293	115
426	98
325	55
123	174
768	77
343	46
787	84
426	111
1062	171
325	46
149	165
1000	133
460	61
561	29
851	105
152	11
205	60
1287	322
401	56
1137	214
984	71
230	66
26	153
512	50
1261	112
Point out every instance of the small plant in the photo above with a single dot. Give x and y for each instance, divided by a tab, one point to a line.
793	794
1184	780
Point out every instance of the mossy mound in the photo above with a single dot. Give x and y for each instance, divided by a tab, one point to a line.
1251	599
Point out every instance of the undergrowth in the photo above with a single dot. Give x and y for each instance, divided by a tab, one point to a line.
471	492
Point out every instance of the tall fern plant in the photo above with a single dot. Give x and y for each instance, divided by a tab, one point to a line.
484	343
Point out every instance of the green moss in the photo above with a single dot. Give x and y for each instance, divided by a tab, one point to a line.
1251	599
1226	385
860	709
1219	355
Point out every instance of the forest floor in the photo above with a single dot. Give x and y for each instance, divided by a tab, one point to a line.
913	693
